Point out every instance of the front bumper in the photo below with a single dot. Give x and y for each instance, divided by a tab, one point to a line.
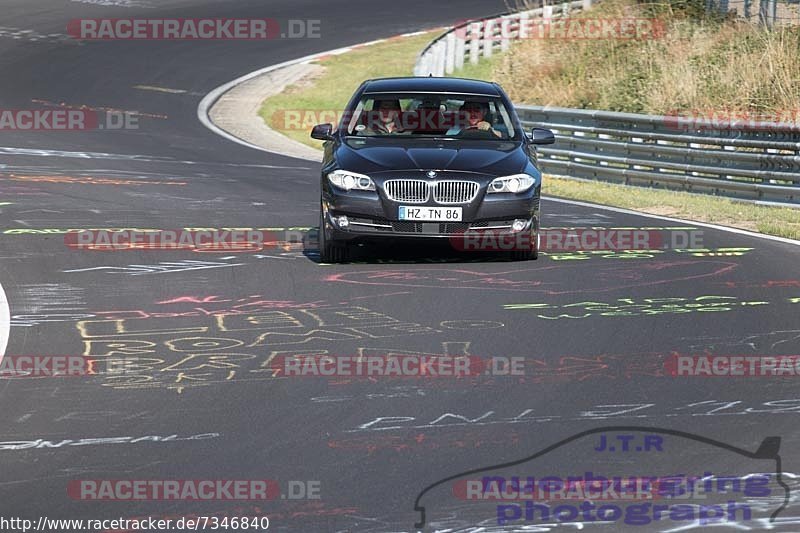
371	215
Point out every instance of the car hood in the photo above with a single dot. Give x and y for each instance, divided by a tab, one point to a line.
372	157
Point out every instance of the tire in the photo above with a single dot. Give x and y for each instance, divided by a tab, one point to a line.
329	250
528	255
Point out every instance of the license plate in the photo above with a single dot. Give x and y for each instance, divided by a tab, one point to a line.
434	214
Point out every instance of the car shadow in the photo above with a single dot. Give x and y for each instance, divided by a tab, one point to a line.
404	251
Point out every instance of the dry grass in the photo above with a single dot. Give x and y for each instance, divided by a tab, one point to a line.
699	63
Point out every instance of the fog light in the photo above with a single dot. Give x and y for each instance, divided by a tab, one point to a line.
519	224
342	221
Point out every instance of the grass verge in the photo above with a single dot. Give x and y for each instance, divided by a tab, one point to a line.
780	221
326	93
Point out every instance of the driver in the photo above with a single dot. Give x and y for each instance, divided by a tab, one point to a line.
475	114
385	117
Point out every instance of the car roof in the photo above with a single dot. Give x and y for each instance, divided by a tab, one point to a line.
430	84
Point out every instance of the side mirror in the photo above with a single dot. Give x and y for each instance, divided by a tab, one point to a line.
542	136
322	132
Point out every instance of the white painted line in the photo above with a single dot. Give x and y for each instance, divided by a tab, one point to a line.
376	41
205	105
670	219
159	89
208	100
5	322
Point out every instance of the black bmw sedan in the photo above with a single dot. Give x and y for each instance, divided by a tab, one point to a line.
429	158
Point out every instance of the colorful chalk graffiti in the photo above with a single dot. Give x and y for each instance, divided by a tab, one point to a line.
630	307
85	180
415	422
179	352
551	280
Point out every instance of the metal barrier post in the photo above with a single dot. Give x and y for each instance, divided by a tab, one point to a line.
488	38
460	48
450	58
474	42
505	33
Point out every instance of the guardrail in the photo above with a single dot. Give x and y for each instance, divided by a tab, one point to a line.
769	13
759	162
473	39
754	161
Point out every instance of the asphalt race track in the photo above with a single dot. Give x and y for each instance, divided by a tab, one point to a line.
596	330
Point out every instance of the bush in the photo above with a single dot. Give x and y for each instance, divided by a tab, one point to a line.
701	63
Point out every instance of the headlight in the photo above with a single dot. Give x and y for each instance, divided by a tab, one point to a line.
515	183
351	180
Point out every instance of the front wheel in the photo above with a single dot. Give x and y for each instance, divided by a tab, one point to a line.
329	250
533	253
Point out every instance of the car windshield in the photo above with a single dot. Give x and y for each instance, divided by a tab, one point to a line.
430	114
